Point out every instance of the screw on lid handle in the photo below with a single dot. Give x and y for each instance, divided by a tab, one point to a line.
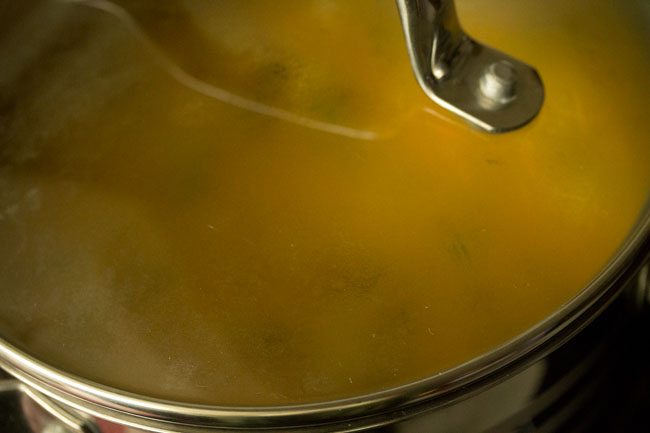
486	87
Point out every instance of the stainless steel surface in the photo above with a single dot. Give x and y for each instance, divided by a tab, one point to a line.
489	89
36	413
643	287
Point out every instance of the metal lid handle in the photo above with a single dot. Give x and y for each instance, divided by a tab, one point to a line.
486	87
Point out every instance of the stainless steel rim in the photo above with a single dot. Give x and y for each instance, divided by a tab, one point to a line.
440	389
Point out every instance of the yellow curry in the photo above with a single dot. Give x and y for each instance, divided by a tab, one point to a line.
253	203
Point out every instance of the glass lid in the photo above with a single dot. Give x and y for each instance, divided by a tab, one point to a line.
254	203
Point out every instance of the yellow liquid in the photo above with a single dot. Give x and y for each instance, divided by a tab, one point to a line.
157	239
